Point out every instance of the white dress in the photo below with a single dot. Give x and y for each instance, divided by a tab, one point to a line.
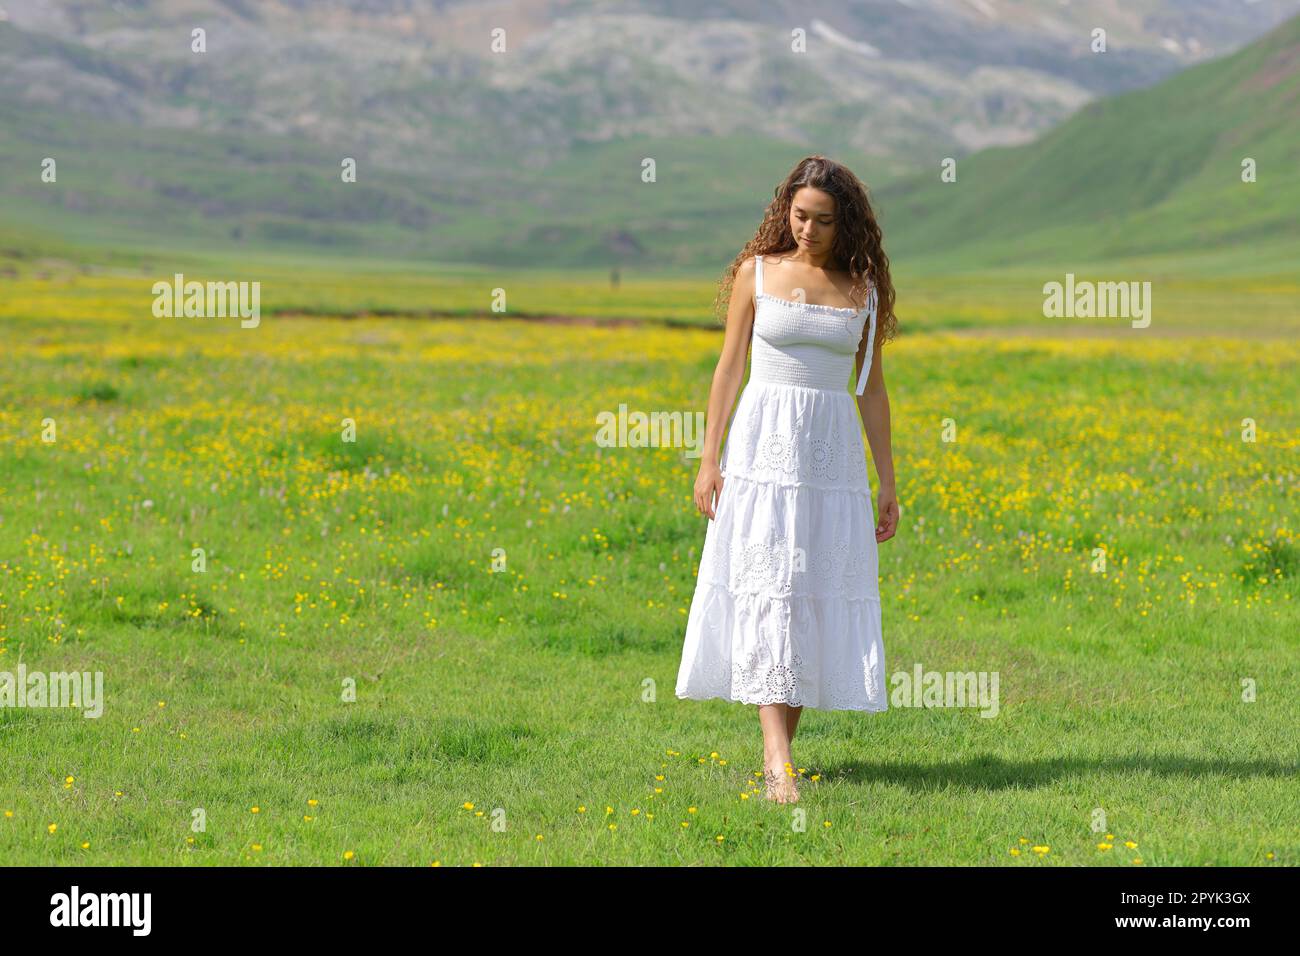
787	602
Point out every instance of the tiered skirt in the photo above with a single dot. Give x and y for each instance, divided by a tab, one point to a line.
787	604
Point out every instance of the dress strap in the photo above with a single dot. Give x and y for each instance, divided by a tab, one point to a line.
872	301
758	276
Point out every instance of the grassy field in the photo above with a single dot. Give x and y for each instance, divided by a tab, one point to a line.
525	714
1248	293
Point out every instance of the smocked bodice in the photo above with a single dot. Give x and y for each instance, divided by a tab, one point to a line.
807	344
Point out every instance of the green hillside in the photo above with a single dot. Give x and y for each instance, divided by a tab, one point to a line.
1155	172
1150	177
258	193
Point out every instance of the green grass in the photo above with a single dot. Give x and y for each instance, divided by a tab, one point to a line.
1248	292
547	686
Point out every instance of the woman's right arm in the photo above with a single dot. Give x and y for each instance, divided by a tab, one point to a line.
726	382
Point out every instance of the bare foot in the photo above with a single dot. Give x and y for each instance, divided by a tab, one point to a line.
781	786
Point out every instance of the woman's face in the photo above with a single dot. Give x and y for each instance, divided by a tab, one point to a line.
812	219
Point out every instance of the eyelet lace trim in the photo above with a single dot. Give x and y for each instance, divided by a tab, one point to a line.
796	454
759	677
780	570
756	683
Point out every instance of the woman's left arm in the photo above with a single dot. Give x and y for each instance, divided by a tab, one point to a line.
873	405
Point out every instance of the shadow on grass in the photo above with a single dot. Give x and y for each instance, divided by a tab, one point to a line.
983	772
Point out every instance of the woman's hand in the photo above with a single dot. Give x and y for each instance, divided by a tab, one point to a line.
887	505
707	484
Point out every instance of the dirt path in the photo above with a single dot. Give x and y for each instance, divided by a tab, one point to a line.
1057	331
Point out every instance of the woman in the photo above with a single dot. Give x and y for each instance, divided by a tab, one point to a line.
786	611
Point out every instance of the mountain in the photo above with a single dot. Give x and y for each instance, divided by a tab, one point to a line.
1150	172
532	153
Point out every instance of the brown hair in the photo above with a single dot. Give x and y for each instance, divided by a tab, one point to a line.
857	250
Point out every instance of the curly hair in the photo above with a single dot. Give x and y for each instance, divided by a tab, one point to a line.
857	249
